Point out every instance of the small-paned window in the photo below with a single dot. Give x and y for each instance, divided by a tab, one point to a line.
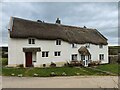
88	45
100	46
58	42
74	45
57	53
101	56
31	41
45	54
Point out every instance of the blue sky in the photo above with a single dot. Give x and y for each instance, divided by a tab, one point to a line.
100	15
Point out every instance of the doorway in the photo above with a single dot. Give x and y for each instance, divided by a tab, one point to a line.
28	56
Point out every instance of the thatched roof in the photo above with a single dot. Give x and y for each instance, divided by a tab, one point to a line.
83	50
25	28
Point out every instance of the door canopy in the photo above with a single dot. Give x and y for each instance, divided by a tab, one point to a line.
83	51
31	49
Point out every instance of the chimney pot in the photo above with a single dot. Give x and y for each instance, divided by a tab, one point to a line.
58	21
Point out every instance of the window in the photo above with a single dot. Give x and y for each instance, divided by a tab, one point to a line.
82	57
101	56
74	56
58	42
89	57
45	54
57	53
100	46
87	45
74	45
31	41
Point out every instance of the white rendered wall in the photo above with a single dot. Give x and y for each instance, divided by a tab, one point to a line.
17	56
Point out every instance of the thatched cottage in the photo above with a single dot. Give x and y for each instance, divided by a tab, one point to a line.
37	43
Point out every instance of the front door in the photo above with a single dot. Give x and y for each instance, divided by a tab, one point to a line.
84	58
28	59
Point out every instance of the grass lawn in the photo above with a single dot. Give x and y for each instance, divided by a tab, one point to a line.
113	68
69	71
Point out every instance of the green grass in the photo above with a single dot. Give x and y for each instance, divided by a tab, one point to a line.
113	68
70	71
45	72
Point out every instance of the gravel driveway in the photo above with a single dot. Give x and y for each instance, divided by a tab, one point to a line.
61	82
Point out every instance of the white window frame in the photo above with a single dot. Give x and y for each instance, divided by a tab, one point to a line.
101	57
58	42
57	53
100	46
74	45
46	53
75	57
87	45
31	40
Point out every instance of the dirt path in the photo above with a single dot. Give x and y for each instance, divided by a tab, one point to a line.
61	82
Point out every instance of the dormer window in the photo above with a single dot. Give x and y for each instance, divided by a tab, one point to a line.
58	42
88	45
31	41
100	46
74	45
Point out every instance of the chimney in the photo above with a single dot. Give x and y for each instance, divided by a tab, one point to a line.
85	27
39	21
58	21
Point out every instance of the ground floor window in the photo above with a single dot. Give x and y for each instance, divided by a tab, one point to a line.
82	57
45	54
74	56
57	53
101	56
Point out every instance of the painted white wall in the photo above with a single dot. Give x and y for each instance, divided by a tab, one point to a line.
17	56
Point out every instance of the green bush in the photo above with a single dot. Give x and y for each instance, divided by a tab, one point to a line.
4	61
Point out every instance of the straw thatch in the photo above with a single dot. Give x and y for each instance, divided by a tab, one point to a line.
47	31
83	51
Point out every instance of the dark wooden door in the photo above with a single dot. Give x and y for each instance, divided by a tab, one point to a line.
28	59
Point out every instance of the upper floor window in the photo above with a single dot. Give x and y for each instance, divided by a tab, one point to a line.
45	54
57	53
74	45
101	56
58	42
31	41
88	45
100	46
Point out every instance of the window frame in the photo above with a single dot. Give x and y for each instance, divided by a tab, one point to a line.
101	57
73	56
101	46
57	53
45	53
87	45
74	45
58	42
31	40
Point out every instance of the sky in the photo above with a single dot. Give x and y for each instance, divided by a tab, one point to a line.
102	16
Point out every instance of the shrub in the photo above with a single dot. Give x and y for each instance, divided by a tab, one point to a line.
52	64
93	63
75	63
4	61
